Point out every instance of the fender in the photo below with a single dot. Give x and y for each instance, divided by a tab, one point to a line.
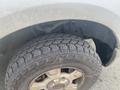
61	11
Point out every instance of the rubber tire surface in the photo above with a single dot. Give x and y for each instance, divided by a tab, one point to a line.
50	52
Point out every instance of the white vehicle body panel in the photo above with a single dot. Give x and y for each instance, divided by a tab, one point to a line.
23	13
18	14
10	6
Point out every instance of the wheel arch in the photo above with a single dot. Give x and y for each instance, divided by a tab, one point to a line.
104	37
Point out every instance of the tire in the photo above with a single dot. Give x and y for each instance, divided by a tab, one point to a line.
50	52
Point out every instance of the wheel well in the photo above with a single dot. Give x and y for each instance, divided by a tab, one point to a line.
103	36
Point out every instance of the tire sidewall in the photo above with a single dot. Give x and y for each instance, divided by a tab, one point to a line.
80	61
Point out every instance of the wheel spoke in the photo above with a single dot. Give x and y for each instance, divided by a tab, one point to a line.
38	86
54	73
75	75
71	87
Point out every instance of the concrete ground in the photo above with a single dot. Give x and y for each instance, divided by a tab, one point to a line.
110	77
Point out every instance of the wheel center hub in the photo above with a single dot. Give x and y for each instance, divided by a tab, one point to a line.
58	84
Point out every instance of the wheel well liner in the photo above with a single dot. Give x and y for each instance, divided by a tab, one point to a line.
103	36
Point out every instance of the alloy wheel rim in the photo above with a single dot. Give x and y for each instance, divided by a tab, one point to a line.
58	79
